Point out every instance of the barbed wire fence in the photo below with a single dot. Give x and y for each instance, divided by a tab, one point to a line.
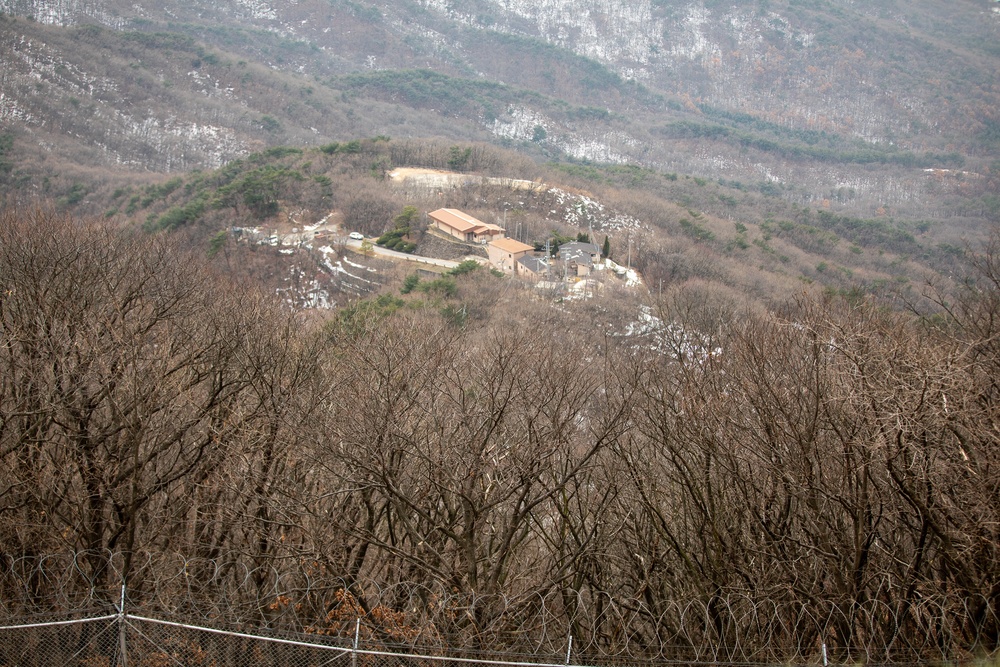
77	609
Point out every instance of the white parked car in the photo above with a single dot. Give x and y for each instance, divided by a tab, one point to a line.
357	236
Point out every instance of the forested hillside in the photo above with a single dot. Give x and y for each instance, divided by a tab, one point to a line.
821	101
764	431
741	484
675	229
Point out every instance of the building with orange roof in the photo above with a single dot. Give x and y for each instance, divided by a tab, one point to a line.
505	252
464	227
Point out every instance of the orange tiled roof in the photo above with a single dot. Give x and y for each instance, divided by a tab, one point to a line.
511	245
457	220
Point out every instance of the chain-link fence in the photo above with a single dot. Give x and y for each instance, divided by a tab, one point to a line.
54	611
124	640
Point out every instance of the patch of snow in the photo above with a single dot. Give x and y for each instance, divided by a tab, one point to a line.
44	63
359	266
258	9
606	30
631	276
519	124
693	44
65	12
10	110
339	268
582	211
593	150
582	289
670	338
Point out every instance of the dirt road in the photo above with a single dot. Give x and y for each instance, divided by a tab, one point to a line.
436	178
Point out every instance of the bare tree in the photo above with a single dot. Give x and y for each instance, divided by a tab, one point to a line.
125	372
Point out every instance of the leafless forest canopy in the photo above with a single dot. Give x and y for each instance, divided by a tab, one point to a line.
787	438
824	472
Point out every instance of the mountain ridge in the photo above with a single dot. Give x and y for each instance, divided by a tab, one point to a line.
797	65
87	112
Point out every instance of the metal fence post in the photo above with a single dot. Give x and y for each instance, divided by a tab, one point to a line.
354	652
825	663
123	659
569	649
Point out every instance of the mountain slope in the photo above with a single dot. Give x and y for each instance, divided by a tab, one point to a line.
281	216
823	100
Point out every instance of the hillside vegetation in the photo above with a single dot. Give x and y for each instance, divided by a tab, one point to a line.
820	100
721	481
674	229
766	433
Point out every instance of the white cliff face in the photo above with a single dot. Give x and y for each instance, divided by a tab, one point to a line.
744	58
65	12
692	42
520	124
739	56
136	138
776	62
606	30
766	62
258	9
